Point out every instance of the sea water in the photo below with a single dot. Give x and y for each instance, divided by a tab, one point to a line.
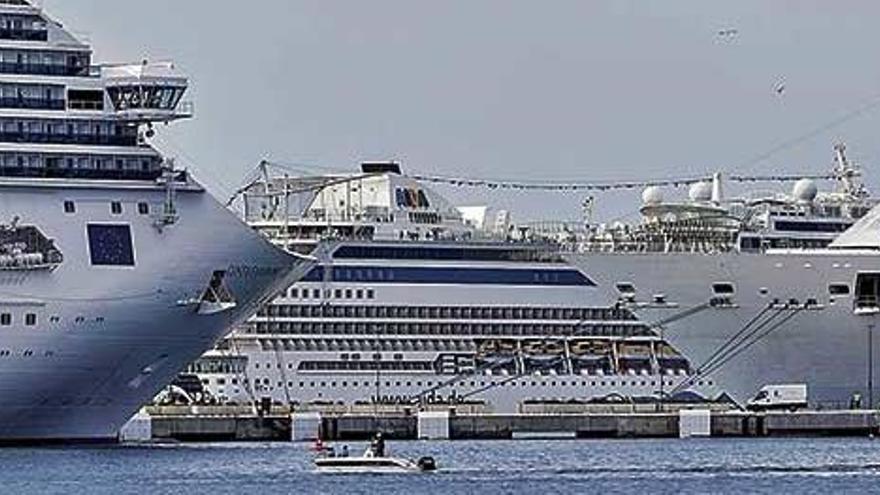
767	465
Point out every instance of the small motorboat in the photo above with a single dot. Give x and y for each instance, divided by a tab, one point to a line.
368	463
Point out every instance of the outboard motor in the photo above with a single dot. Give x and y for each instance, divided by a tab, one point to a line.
427	463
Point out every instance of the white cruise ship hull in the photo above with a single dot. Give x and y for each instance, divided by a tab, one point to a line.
468	331
106	339
824	345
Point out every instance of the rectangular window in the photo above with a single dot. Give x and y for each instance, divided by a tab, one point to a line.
116	208
723	288
110	245
69	207
30	319
79	99
625	288
838	289
144	208
5	319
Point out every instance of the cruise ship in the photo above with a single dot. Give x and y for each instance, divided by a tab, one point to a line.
116	269
422	302
789	295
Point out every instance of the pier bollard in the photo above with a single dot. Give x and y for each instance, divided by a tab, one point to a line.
433	425
305	426
694	423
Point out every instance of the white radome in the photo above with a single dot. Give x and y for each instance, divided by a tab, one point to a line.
652	195
805	190
700	192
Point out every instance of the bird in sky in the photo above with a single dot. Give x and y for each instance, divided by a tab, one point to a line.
779	89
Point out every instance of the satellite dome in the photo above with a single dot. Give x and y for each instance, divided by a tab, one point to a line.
805	190
700	192
652	196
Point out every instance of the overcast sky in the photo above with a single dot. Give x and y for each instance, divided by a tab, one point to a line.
514	89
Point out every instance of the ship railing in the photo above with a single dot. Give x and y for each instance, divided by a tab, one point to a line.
183	110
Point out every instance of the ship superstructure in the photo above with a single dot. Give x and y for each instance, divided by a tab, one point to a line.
424	302
792	300
707	221
116	269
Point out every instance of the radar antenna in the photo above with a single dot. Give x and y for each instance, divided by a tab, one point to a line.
848	175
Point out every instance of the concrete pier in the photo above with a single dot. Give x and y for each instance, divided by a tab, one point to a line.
455	426
221	428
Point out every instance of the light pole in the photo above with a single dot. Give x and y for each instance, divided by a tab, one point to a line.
871	366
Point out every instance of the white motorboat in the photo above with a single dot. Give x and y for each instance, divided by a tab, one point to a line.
368	463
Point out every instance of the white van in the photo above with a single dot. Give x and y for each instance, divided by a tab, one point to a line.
790	396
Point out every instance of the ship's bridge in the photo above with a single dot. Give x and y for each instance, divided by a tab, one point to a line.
147	92
22	22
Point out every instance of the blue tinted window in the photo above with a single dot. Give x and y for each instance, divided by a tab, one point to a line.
473	253
811	226
110	245
453	275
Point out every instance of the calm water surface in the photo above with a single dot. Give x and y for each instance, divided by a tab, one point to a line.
576	466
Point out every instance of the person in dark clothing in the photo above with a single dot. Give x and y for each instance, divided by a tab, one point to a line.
377	446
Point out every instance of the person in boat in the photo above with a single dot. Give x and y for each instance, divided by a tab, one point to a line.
377	446
344	451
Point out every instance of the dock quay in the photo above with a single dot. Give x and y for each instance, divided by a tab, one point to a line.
216	423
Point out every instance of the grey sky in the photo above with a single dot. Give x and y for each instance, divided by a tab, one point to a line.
556	89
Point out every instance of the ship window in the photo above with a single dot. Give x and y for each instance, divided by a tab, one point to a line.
116	208
868	291
5	319
838	289
110	245
69	207
144	208
626	288
723	288
30	319
85	99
